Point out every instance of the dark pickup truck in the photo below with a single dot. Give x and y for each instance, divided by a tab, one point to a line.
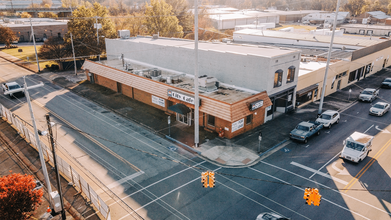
304	130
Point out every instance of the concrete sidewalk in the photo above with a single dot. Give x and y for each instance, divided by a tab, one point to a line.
241	151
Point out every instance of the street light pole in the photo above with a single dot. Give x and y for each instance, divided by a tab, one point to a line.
259	139
73	52
196	101
328	59
43	164
35	47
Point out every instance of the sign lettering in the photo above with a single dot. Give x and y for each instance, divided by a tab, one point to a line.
256	105
237	125
158	101
181	96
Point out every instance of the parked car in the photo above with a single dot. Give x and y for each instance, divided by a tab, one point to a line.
379	109
270	216
386	83
356	147
12	89
328	118
368	95
304	130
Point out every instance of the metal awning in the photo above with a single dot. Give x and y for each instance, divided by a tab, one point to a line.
180	108
304	91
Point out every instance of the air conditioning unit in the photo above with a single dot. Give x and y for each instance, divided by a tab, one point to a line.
155	72
124	34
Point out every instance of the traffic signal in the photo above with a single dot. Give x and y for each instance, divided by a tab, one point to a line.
204	179
211	179
307	195
316	197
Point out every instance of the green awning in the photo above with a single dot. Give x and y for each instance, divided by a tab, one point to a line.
180	109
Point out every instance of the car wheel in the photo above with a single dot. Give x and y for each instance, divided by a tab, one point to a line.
305	141
337	121
367	153
329	126
371	100
318	133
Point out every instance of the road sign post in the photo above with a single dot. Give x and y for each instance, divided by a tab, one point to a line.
169	126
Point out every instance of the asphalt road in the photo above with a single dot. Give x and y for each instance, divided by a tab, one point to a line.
159	188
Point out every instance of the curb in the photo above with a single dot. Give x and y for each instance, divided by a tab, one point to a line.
72	211
16	63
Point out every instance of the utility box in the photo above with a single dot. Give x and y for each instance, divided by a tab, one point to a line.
124	34
56	200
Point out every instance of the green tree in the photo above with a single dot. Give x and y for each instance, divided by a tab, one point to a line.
160	19
180	9
17	197
7	36
54	48
84	33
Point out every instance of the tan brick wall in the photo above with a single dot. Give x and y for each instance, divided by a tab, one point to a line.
108	83
127	90
147	99
24	32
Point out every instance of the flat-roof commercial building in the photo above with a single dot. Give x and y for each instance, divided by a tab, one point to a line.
263	68
352	58
228	110
43	28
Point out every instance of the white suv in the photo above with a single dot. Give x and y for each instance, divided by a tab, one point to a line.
328	118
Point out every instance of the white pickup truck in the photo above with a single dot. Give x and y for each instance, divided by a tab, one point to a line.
12	89
356	147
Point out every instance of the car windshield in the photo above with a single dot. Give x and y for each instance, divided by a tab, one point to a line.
380	106
387	80
301	127
14	87
366	92
354	146
269	217
327	117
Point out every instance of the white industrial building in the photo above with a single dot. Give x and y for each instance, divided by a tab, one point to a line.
259	68
326	17
352	58
365	29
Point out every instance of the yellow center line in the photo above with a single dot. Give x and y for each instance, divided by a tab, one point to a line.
366	167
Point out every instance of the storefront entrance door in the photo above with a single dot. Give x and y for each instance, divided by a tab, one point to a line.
186	119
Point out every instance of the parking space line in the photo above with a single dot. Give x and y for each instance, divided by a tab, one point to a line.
325	164
320	173
325	186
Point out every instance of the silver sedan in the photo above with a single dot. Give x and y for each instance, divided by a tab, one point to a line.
379	109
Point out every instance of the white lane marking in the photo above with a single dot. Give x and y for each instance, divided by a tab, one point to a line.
326	164
382	131
303	190
344	171
320	173
119	182
336	191
158	198
143	188
368	129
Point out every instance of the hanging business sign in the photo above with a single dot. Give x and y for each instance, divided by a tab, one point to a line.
256	105
237	125
158	101
182	97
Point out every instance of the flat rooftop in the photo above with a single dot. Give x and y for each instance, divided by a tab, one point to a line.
268	52
366	26
226	93
343	40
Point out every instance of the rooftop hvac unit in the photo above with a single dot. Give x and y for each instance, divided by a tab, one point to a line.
19	22
123	34
155	72
6	20
206	81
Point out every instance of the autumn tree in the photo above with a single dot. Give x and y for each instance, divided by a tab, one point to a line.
17	197
160	19
133	22
81	25
7	36
54	48
25	15
354	7
180	8
47	15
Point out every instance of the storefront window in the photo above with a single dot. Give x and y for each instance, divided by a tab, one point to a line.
278	78
291	74
211	120
249	119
